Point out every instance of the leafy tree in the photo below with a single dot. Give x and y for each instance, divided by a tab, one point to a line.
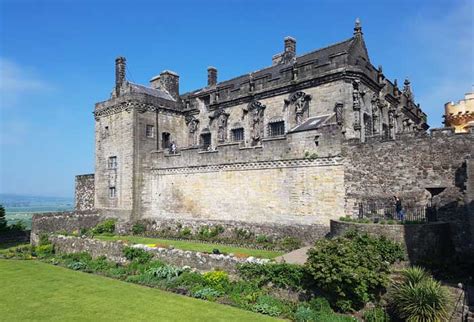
3	220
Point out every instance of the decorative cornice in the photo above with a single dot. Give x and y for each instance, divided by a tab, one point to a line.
244	166
129	105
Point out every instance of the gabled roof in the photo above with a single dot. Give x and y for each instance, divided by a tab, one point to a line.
137	88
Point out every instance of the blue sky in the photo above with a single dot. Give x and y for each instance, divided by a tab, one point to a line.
57	60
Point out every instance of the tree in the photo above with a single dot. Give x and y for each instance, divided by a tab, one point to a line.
3	220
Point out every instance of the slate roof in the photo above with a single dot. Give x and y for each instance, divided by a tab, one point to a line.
137	88
312	123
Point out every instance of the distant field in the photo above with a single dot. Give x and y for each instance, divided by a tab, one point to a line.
196	246
23	207
39	291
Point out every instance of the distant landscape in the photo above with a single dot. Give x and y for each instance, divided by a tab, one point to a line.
22	207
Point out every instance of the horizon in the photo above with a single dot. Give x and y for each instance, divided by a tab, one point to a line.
52	74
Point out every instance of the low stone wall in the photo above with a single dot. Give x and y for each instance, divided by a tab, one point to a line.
307	234
14	236
62	221
114	252
84	192
422	242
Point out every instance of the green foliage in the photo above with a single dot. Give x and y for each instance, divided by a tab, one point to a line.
17	252
207	293
206	232
218	280
188	280
137	254
44	240
166	271
18	226
280	275
3	220
376	314
290	243
107	226
352	269
418	297
44	251
185	232
272	306
261	239
242	234
137	229
77	266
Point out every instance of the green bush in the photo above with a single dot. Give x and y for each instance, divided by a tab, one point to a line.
18	226
207	232
187	280
137	254
166	271
185	232
376	314
352	269
137	229
218	280
77	266
44	251
206	293
107	226
419	297
261	239
242	234
272	306
414	275
3	220
44	240
290	243
280	275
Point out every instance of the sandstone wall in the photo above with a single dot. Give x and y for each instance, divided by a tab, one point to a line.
421	241
84	192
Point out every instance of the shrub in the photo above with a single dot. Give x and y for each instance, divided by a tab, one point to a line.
414	275
290	243
137	254
241	233
187	280
137	229
281	275
44	240
165	271
219	280
77	266
185	232
261	239
419	298
107	226
44	251
207	232
376	314
207	293
271	306
3	220
18	226
352	269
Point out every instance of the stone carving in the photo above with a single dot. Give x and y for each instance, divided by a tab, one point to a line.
356	104
375	114
339	110
221	116
192	124
256	110
299	103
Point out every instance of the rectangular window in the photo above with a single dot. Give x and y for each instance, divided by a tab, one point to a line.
112	164
238	135
277	128
112	192
150	131
165	140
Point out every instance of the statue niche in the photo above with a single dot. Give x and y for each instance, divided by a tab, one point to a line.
299	107
256	110
192	124
221	116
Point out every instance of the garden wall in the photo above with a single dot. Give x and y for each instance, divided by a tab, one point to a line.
84	192
307	234
431	241
114	252
62	221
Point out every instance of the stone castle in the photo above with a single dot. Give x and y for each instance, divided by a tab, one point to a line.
300	142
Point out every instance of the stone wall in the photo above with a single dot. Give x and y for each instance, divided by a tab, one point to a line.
307	234
421	241
84	192
62	221
114	252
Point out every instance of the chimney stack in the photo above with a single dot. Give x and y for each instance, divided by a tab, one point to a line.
120	65
169	81
290	46
211	76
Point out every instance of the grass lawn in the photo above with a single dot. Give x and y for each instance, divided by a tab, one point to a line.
32	290
195	246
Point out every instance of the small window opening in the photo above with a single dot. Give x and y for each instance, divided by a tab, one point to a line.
238	134
316	140
277	128
165	140
206	141
150	131
112	163
112	192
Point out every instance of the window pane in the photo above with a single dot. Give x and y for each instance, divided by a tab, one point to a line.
238	134
277	128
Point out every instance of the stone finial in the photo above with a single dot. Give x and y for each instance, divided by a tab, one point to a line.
120	67
357	28
211	76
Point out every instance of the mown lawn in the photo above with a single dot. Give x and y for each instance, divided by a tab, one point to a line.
32	290
195	246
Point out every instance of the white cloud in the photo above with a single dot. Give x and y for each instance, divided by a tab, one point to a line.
16	80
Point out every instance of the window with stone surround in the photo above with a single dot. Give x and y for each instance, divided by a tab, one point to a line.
206	141
112	163
112	192
165	140
238	135
150	131
276	128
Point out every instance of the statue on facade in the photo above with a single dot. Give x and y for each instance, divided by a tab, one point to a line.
256	121
221	116
192	124
299	102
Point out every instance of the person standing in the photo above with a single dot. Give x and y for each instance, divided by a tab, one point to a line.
399	208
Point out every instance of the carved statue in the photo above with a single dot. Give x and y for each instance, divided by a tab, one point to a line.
192	124
256	122
356	104
222	118
300	103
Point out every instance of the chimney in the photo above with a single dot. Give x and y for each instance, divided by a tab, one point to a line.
155	82
290	46
169	81
211	76
120	65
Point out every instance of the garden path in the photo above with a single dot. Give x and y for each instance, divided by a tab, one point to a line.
297	256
